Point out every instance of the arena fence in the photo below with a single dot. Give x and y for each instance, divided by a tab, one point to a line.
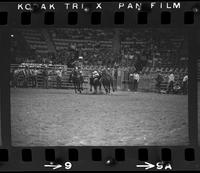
121	76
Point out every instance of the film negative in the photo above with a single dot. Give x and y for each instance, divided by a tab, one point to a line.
102	86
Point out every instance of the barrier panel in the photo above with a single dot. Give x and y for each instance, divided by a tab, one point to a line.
121	78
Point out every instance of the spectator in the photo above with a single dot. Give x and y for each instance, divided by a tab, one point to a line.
33	77
136	78
26	76
131	82
59	78
170	87
159	80
177	88
45	77
185	84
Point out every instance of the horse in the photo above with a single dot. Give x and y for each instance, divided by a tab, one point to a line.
95	82
107	81
77	80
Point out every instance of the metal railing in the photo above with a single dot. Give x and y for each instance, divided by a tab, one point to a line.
122	81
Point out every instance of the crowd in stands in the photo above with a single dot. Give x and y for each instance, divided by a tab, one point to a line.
152	48
143	50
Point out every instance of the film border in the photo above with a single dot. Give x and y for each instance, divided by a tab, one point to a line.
84	162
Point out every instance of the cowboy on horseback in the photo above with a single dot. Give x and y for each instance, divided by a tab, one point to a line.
95	81
76	77
95	74
107	80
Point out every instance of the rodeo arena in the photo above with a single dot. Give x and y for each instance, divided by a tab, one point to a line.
99	87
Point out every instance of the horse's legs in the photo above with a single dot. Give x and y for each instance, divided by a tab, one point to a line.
105	88
95	88
82	86
108	88
111	82
91	84
82	82
100	86
75	87
79	87
80	90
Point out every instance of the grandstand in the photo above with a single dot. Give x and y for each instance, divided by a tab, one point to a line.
36	41
157	47
148	50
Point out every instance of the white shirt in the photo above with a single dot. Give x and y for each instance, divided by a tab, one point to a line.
171	78
136	76
59	73
185	78
95	74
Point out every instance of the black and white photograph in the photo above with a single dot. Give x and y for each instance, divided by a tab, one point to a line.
99	87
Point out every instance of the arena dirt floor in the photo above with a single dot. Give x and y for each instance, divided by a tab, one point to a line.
51	117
